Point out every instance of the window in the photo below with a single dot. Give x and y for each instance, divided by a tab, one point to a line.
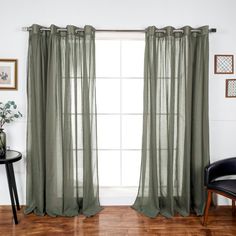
119	73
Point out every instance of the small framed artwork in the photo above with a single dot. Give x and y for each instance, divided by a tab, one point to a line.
8	74
224	64
230	88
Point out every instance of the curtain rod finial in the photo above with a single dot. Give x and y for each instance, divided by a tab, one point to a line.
25	28
213	30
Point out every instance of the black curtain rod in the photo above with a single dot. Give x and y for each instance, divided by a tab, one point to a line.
211	30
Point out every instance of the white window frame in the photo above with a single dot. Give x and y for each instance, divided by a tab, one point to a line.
119	195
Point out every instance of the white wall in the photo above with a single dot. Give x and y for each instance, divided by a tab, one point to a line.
130	14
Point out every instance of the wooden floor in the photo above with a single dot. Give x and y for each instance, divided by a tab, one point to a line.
118	221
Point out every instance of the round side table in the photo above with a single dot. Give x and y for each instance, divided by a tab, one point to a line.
11	157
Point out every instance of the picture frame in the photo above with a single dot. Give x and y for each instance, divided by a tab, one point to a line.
224	64
230	88
8	74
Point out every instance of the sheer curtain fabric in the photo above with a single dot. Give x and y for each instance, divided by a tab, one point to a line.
175	145
62	176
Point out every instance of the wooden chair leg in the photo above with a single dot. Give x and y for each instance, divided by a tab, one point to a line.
233	207
209	197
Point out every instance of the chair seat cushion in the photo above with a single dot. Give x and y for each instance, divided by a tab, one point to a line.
225	186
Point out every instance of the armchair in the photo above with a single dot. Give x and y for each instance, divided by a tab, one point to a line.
217	180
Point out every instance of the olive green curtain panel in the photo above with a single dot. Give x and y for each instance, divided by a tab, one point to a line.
175	145
62	176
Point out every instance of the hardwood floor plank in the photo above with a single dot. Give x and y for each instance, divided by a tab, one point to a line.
118	221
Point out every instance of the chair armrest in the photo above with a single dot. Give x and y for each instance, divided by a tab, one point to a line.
220	168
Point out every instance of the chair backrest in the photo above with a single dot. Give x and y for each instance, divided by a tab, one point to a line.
220	168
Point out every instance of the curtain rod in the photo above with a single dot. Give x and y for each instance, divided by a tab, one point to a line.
211	30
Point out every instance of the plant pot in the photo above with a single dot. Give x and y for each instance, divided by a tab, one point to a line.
2	144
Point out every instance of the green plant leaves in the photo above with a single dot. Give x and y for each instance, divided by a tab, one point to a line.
8	113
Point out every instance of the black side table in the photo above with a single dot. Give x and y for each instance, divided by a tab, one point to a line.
12	156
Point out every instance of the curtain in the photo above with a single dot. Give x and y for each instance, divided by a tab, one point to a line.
62	176
175	145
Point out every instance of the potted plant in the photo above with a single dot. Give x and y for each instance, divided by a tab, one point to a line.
8	113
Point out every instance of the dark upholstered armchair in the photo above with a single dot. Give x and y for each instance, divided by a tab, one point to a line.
217	180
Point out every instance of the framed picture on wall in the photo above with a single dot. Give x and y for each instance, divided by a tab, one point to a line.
224	64
230	88
8	74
